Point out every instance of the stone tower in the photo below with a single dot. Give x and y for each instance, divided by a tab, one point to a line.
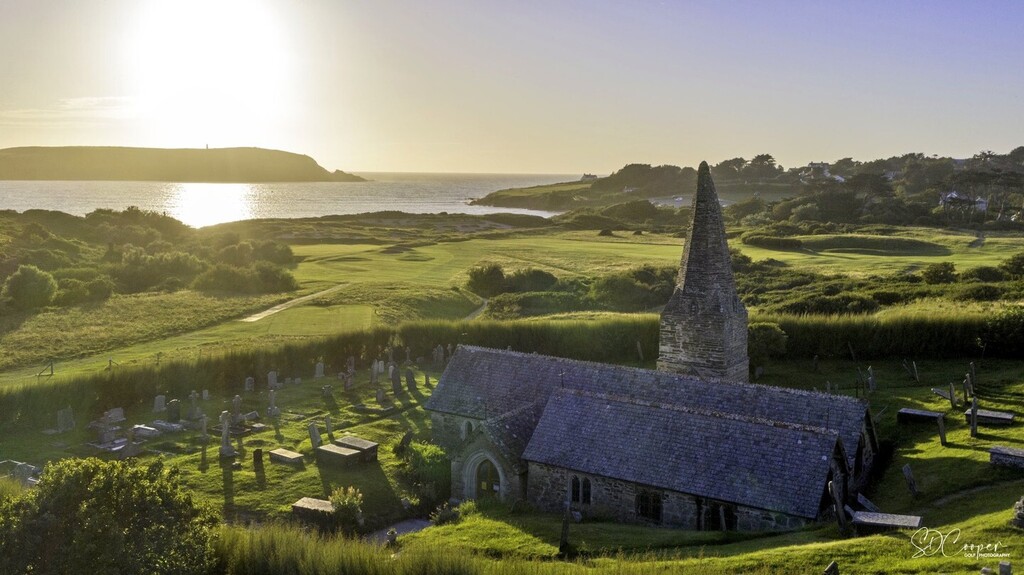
704	325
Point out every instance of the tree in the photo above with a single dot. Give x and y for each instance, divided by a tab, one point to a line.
765	340
940	273
487	280
109	517
30	287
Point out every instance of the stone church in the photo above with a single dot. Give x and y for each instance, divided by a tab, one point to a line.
690	444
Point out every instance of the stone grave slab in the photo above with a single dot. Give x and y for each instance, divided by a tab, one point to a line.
282	455
168	427
145	431
866	521
367	448
312	509
335	454
908	414
1006	456
988	417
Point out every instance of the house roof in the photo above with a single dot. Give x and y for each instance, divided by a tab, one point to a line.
756	463
487	383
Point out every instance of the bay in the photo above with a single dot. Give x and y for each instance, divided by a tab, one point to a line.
202	204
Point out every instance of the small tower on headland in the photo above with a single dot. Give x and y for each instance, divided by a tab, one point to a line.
704	325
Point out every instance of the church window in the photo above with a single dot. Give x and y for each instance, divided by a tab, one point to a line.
585	498
574	489
648	505
467	429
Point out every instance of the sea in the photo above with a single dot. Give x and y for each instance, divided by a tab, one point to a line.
202	204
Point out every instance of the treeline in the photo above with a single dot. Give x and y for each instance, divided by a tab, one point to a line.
51	258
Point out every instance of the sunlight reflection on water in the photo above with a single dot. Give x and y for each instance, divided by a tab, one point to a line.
205	204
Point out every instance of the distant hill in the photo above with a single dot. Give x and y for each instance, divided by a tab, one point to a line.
250	165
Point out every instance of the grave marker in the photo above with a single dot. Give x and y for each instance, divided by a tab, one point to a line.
974	417
173	411
257	459
330	427
314	436
250	383
159	403
236	410
272	380
319	372
911	484
410	381
65	420
273	411
226	449
942	430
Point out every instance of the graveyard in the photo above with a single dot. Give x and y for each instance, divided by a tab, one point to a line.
269	442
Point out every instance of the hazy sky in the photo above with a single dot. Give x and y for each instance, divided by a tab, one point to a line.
523	86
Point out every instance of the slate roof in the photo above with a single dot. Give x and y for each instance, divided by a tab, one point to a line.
724	457
487	383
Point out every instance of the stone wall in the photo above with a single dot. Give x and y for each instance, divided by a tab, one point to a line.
707	343
465	462
548	490
450	431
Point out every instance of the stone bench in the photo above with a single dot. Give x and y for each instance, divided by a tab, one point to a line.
364	446
287	456
342	456
1006	456
867	521
987	417
909	414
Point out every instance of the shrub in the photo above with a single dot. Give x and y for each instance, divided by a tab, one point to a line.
486	280
840	303
29	287
92	516
444	514
529	279
1014	265
765	340
939	273
348	508
979	292
770	242
983	274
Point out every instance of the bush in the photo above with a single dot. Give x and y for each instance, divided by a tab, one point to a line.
444	514
770	242
983	274
939	273
979	292
765	340
29	287
92	516
348	508
840	303
529	279
486	280
1014	265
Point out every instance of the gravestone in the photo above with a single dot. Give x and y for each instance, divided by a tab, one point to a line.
380	396
426	381
206	395
159	403
130	449
832	569
23	473
396	382
319	370
226	449
272	380
257	459
330	428
112	416
314	435
273	411
974	417
288	381
911	484
351	364
451	350
327	391
298	381
348	381
193	408
952	395
391	371
173	411
942	430
410	380
403	444
204	436
65	420
408	355
373	376
391	355
967	393
236	410
871	379
250	383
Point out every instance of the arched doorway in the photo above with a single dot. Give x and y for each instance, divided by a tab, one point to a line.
488	482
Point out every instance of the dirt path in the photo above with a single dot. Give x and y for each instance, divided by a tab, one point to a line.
290	303
476	313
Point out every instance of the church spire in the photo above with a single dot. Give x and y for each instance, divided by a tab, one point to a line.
704	325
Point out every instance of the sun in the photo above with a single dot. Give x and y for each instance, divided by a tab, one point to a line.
210	70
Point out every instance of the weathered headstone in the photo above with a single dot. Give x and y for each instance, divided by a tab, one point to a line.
130	449
391	370
114	415
193	408
250	383
832	569
351	363
403	444
871	379
272	380
1004	566
974	417
408	355
815	364
273	411
967	394
319	370
314	436
330	427
297	381
288	381
65	420
373	376
380	396
942	430
173	411
226	449
563	539
236	410
206	395
327	391
410	381
159	403
257	459
911	484
952	395
396	382
204	436
426	381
